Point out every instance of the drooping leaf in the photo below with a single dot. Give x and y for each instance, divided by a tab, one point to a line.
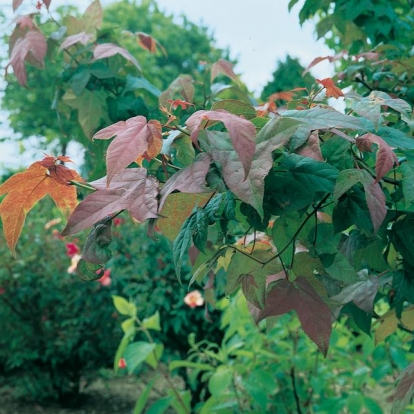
251	189
278	131
96	249
25	189
149	43
407	170
191	179
31	46
222	67
385	156
16	4
81	37
91	107
241	131
131	189
312	148
404	390
182	86
313	313
361	293
105	50
134	138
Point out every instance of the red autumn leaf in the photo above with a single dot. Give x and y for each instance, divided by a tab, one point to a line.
134	138
25	189
105	50
321	59
33	45
312	148
363	144
149	43
82	38
223	67
332	91
284	96
178	102
131	189
191	179
313	313
242	133
386	157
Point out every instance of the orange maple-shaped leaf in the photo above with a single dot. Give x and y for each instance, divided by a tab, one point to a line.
332	91
23	190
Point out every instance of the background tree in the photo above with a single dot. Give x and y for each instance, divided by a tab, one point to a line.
288	75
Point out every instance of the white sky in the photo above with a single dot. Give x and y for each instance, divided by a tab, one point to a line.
258	33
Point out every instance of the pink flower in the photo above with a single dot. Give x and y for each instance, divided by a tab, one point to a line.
105	280
74	263
193	299
72	249
122	363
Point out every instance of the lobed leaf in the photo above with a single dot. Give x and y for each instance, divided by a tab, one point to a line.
134	138
130	190
241	131
105	50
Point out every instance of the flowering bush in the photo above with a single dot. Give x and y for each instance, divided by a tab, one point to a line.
55	329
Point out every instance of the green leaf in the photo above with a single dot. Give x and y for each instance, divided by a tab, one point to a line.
144	396
322	118
184	150
407	169
136	353
101	70
200	230
124	307
313	175
346	180
188	364
135	83
152	322
128	324
336	151
178	405
80	79
235	107
342	270
126	339
278	131
221	379
154	358
159	406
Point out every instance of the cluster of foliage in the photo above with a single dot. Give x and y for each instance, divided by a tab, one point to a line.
306	209
56	330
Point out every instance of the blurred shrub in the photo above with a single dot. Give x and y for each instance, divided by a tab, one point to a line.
279	370
55	329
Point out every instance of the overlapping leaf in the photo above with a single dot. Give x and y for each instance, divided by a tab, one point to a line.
105	50
131	189
134	138
313	313
25	189
182	86
242	133
191	179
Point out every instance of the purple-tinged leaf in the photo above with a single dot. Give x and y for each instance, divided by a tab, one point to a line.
134	138
385	156
361	293
191	179
105	50
242	133
313	313
183	86
404	391
223	67
376	201
130	189
16	4
312	148
82	38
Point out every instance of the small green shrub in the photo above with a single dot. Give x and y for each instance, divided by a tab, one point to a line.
55	329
